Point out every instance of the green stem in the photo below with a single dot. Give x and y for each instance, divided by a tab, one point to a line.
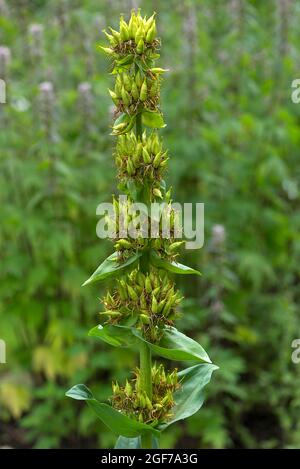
146	441
138	125
145	352
146	385
145	369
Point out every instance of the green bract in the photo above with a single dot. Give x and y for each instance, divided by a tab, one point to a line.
140	309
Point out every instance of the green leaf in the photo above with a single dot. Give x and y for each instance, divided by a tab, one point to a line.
80	392
177	346
134	443
113	419
128	59
113	335
190	396
128	443
122	119
153	119
111	267
174	345
171	266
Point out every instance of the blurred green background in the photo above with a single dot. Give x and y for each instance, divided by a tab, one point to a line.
233	135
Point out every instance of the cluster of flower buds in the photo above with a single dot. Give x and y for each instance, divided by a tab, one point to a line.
130	234
131	91
137	37
141	160
135	403
149	300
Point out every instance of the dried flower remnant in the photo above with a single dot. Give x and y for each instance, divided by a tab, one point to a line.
36	32
47	102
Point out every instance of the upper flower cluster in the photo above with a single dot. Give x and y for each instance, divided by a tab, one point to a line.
136	38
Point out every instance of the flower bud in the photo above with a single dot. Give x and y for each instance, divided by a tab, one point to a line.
125	97
124	33
127	82
154	305
140	46
114	97
134	91
138	79
157	193
146	156
132	293
143	92
151	33
145	319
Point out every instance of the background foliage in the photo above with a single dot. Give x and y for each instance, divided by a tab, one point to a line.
233	134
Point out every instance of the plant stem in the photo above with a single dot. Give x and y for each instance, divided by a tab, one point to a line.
146	441
145	352
146	385
145	369
138	124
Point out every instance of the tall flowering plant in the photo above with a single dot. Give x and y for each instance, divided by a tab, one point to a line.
140	306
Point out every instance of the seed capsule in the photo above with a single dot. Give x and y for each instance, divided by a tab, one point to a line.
125	97
161	305
132	27
148	403
138	79
145	319
149	22
107	50
157	193
143	92
124	243
132	293
115	34
124	33
111	38
157	160
113	314
157	70
128	388
130	168
174	246
140	47
139	34
127	82
154	305
146	156
148	285
134	91
114	97
120	127
151	33
143	302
